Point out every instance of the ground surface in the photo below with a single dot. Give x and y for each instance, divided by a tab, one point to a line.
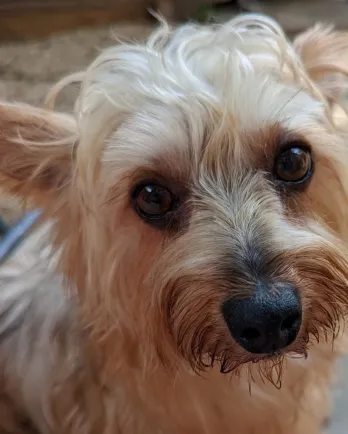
27	70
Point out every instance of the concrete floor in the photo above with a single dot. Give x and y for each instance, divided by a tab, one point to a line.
27	70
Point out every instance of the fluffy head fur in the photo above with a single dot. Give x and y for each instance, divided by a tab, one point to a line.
204	110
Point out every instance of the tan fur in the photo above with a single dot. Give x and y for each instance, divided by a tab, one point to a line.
110	325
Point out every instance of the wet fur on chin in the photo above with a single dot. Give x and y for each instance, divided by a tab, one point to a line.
117	322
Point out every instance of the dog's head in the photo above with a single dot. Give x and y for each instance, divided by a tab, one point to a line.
199	193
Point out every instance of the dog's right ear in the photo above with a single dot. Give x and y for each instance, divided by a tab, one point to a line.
36	148
324	54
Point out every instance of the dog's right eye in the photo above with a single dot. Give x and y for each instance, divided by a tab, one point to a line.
294	165
153	201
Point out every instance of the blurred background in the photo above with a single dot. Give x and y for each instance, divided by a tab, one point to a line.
43	40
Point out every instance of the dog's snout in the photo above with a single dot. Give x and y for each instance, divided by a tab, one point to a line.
267	321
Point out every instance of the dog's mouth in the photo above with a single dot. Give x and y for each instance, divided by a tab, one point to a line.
215	348
231	357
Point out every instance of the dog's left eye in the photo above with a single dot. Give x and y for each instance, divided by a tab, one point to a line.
293	165
153	201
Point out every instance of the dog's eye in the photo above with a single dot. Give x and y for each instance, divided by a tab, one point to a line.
153	201
294	165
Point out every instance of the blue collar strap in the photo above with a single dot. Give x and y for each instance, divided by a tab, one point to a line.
11	237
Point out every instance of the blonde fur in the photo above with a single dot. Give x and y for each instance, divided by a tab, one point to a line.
109	324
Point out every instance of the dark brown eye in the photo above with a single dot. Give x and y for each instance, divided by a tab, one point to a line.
153	201
294	165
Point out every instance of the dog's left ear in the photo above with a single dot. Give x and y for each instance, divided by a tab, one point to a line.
324	53
36	148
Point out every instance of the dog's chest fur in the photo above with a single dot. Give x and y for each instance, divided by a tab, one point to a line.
47	372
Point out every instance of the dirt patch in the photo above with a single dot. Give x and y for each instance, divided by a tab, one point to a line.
29	69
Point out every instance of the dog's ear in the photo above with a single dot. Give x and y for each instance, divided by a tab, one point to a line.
36	149
324	53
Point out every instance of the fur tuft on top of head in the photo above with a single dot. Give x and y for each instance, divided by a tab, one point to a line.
209	60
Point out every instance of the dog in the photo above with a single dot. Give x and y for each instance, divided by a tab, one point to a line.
190	272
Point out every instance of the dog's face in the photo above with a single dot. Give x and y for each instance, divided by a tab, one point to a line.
202	198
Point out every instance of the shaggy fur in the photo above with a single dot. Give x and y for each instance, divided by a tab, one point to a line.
109	324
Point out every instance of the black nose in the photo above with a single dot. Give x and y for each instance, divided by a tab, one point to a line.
267	321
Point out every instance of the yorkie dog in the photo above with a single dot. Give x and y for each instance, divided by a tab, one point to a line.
190	274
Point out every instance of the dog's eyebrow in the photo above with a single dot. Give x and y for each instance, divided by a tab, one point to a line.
155	174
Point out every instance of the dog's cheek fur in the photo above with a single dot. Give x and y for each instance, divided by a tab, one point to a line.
320	273
119	303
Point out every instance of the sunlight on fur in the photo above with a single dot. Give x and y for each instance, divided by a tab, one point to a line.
190	274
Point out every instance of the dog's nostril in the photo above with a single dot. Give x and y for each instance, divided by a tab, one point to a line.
289	322
250	334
